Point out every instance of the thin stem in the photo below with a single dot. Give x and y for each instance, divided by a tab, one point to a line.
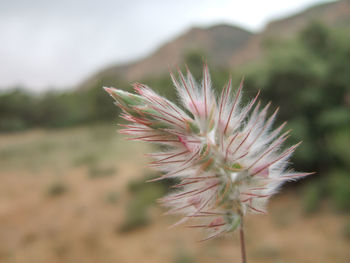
241	238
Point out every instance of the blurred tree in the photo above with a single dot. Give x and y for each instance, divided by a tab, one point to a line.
194	60
16	110
310	77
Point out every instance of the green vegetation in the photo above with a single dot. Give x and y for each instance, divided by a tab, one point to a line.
136	215
144	195
98	172
95	149
312	197
20	110
183	256
346	231
309	77
267	252
56	189
339	190
112	197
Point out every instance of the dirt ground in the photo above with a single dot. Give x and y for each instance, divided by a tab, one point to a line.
63	196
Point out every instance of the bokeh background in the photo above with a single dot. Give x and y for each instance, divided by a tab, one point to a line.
73	190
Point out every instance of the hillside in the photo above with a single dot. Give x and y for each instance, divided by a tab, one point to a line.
65	196
218	43
334	14
224	45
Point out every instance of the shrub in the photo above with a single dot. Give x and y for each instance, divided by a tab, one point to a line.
56	189
312	196
98	172
339	184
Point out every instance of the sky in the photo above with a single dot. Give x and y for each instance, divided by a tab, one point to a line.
47	44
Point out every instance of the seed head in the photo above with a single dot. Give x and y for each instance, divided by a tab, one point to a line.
226	156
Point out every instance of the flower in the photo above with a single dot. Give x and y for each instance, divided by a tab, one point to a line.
226	156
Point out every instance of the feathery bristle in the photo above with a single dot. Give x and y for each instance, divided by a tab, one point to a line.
227	163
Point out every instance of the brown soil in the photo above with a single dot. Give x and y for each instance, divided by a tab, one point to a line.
80	226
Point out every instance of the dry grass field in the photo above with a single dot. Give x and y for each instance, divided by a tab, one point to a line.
73	195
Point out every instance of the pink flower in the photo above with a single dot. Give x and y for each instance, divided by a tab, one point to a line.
226	156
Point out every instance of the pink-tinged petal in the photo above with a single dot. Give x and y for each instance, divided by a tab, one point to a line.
226	157
261	171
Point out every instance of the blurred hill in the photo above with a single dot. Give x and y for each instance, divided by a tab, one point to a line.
223	45
216	43
333	14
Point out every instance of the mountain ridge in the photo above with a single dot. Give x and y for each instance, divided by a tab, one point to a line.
215	41
224	45
335	14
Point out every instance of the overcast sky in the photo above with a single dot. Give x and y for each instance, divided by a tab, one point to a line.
46	44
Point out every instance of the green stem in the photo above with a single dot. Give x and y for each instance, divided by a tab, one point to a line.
241	238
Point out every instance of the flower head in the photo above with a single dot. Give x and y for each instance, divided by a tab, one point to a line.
226	156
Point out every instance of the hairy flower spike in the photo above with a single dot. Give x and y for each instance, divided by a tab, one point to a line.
227	163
